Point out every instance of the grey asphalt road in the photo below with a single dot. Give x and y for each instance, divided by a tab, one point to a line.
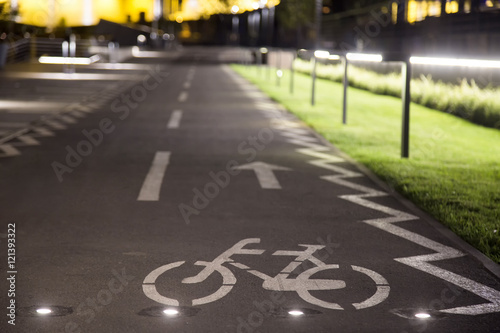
186	190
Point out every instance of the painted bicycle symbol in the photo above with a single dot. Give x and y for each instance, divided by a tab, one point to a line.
302	284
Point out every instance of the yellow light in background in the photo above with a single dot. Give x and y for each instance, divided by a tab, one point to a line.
196	9
36	12
451	7
72	12
434	8
467	6
412	11
419	10
394	12
134	7
111	10
185	31
489	3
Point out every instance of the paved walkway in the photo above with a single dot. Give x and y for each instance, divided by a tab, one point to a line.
186	189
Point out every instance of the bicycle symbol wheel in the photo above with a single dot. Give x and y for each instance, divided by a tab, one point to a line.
149	287
380	295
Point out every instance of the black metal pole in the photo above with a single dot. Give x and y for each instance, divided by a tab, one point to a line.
406	97
313	75
268	54
258	54
345	82
317	28
292	72
278	69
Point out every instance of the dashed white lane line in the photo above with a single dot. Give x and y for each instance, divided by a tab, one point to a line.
183	96
150	190
175	119
187	85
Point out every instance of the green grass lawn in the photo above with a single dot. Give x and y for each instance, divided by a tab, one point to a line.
454	167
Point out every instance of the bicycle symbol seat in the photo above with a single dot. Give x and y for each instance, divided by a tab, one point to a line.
302	284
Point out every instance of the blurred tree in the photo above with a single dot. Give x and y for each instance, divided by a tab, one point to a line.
360	3
206	8
4	11
296	13
7	16
297	16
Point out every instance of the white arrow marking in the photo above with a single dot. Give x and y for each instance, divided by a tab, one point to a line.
150	190
265	174
175	119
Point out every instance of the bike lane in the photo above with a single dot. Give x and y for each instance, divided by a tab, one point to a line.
273	180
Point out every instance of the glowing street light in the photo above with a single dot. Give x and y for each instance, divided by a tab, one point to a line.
296	313
171	312
422	315
43	311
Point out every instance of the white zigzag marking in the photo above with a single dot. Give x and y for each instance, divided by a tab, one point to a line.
418	262
41	132
289	129
55	125
25	140
422	262
67	119
77	114
8	151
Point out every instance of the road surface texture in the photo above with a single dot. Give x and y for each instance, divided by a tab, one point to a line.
169	195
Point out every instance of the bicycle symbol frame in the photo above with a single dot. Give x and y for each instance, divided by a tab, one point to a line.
302	284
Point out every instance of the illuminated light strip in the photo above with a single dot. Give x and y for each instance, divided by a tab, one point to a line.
455	62
137	53
69	60
321	54
364	57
